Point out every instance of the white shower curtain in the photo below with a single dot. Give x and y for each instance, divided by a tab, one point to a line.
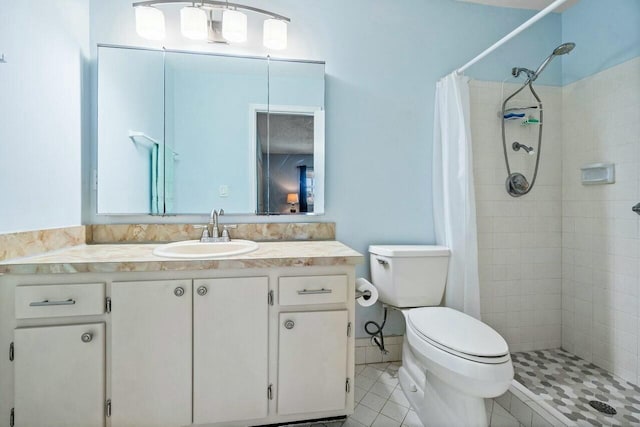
454	202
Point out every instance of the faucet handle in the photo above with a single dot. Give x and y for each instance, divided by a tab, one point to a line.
221	212
225	230
205	233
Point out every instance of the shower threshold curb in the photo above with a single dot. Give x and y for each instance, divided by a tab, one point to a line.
530	409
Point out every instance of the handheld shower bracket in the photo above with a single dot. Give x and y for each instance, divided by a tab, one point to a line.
516	71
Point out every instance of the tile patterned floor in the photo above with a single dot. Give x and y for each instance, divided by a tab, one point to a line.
568	383
380	402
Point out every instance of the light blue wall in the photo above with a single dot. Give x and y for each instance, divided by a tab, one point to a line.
42	101
382	66
606	33
383	62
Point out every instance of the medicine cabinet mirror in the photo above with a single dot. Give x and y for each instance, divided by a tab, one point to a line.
180	133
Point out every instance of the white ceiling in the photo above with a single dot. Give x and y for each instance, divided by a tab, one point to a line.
524	4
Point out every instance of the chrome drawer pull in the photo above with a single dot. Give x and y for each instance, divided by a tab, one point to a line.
47	303
315	291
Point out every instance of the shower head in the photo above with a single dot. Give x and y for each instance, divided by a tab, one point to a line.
563	49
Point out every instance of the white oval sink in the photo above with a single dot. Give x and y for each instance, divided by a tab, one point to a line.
195	249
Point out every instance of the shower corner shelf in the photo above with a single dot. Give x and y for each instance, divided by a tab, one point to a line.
530	107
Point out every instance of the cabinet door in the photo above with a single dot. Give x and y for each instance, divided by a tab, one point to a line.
59	376
151	353
230	353
312	361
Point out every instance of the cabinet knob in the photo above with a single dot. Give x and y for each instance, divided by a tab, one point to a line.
202	291
86	337
289	324
179	291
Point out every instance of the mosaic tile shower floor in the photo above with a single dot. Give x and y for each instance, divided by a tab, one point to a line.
568	383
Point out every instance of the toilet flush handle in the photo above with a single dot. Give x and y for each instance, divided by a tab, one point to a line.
382	261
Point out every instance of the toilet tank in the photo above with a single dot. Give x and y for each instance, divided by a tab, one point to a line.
409	275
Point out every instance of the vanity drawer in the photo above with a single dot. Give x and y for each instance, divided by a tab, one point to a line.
81	299
301	290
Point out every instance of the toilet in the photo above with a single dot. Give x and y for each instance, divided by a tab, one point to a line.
451	361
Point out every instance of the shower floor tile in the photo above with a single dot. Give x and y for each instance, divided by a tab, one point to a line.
568	383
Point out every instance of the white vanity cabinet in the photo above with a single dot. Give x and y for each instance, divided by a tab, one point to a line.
59	376
312	362
314	329
230	349
160	327
57	352
151	353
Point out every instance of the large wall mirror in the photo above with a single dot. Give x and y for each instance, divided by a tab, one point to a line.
182	133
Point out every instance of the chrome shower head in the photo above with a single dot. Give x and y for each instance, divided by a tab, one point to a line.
563	49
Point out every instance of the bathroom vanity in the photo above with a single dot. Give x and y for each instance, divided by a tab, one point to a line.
112	335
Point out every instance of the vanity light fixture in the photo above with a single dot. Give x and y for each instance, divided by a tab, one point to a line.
149	22
194	23
198	22
275	34
234	26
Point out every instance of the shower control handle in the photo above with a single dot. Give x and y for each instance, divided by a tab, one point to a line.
636	208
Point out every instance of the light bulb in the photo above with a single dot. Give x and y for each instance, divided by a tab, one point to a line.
234	26
149	22
194	23
275	34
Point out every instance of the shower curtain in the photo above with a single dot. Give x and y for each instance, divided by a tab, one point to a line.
454	196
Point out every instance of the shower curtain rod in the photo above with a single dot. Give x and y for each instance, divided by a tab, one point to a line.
544	12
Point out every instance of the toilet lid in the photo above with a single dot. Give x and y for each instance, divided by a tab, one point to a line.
457	331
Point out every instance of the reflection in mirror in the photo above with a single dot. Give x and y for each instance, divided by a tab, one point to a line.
286	143
207	112
178	133
290	141
130	129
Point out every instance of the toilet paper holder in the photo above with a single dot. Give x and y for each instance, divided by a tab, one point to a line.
363	294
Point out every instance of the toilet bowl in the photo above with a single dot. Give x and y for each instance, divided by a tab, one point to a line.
451	361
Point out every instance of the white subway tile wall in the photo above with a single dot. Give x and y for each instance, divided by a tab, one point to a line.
601	234
519	239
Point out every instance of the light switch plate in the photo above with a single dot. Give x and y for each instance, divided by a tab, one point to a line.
223	191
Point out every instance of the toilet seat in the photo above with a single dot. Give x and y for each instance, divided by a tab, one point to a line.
458	334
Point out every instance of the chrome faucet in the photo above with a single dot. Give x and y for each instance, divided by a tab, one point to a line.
213	223
211	232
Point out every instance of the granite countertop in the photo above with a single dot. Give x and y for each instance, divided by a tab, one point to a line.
109	258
